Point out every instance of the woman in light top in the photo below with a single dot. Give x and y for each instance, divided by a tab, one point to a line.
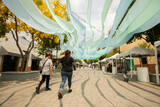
47	70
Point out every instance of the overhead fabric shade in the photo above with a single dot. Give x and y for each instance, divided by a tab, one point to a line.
28	12
122	8
77	24
143	15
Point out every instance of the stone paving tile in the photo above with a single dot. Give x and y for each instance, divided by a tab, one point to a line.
91	88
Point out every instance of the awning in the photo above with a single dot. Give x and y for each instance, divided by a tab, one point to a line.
104	60
3	51
157	43
35	57
137	52
113	57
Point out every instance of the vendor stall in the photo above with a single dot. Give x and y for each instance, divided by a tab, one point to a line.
138	52
114	62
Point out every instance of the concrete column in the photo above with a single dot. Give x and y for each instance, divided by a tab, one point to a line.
19	64
156	67
1	62
40	64
29	63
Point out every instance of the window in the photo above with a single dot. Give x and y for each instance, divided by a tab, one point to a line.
144	60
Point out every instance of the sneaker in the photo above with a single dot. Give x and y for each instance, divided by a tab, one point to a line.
48	89
37	90
127	80
69	91
59	96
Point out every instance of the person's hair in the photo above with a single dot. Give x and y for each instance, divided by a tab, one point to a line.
67	53
48	54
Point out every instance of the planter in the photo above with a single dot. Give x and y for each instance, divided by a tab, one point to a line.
103	68
114	70
143	74
18	75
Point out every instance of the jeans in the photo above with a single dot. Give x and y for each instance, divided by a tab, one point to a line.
65	75
124	72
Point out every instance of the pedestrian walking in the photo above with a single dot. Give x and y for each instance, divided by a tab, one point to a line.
66	72
47	70
74	66
125	68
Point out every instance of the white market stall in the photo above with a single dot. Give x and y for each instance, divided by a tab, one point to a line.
114	68
102	64
157	52
139	52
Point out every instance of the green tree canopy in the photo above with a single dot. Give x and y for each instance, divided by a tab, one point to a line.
150	35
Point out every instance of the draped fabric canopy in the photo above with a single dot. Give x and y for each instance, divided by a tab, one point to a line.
143	15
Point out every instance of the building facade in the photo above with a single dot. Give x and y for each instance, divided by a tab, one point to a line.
10	57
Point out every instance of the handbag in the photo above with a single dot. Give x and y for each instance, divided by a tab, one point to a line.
43	66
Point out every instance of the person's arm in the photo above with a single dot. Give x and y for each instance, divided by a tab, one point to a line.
51	67
72	61
61	60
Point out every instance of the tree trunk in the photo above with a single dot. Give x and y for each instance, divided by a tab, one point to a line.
26	52
22	64
27	60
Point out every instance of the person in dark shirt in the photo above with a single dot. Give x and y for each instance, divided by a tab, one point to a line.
66	72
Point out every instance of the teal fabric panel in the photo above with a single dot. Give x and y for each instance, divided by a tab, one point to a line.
77	24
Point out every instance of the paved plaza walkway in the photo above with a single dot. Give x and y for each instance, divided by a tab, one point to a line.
91	88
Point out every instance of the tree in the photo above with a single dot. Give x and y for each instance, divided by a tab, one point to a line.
90	61
145	45
62	53
150	35
10	23
48	42
78	60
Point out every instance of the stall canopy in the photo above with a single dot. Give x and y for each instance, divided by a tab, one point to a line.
157	43
113	57
104	60
137	52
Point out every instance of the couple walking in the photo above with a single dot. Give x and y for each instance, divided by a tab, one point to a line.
66	72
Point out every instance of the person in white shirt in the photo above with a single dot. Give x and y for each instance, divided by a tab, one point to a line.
47	70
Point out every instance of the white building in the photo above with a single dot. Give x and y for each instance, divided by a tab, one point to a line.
10	58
